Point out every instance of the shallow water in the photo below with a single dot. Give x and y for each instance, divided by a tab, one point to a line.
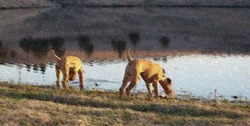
198	75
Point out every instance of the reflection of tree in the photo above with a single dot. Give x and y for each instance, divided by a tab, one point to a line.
26	44
13	53
57	44
35	67
3	52
1	44
119	46
43	68
85	45
41	46
89	50
28	67
134	38
164	41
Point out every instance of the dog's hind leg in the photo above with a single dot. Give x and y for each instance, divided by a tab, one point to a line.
149	90
66	77
132	84
156	89
80	73
125	81
58	76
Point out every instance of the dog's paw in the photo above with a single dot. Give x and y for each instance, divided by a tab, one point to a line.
162	96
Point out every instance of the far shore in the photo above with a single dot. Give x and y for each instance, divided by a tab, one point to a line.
108	55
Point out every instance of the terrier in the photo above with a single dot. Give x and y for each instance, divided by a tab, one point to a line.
149	71
69	66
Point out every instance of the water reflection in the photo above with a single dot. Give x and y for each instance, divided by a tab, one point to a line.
208	30
85	45
119	46
134	38
198	75
35	68
164	42
28	67
3	52
40	46
42	68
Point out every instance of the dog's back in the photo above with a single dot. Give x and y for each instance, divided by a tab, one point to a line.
73	61
152	73
69	66
68	61
148	70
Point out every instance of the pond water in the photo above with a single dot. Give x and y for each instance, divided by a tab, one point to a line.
198	75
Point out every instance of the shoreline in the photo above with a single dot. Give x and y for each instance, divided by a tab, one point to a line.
108	55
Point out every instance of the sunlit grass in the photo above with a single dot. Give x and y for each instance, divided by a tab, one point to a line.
43	105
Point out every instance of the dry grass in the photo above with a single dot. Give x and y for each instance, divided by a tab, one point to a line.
42	105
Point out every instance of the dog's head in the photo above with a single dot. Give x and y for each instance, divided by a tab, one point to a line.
72	74
166	84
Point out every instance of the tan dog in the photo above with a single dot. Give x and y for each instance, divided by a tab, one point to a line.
69	66
149	71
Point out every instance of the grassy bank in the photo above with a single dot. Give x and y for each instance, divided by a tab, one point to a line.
43	105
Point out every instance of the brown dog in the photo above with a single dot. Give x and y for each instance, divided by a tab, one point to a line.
69	66
149	71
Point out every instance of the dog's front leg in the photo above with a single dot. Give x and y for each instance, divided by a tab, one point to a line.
156	89
149	90
58	76
65	77
80	73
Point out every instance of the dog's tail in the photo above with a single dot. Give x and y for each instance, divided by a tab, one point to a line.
129	56
58	58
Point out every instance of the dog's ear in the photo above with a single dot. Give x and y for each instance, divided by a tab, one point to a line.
72	74
163	70
169	80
